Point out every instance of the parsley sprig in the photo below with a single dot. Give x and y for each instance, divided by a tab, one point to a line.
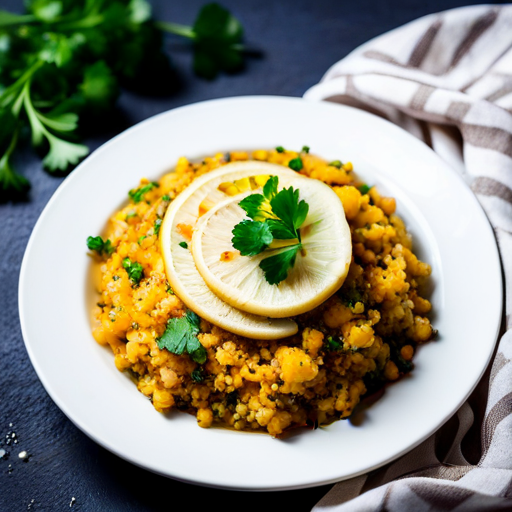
180	337
63	62
275	216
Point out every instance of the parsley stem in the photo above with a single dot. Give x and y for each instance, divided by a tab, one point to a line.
89	21
278	244
8	94
10	181
8	19
176	28
10	149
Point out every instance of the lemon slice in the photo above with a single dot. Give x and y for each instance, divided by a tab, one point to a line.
320	267
179	222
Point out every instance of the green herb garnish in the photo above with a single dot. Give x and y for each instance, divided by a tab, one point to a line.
62	65
333	345
180	337
184	245
137	194
156	226
197	375
275	216
364	189
134	269
336	163
217	37
251	237
280	149
296	164
96	243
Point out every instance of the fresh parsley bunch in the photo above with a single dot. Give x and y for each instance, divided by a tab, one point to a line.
273	216
64	60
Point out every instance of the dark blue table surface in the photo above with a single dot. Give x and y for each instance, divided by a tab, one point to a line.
299	39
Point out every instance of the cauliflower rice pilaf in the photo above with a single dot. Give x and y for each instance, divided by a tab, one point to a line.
364	336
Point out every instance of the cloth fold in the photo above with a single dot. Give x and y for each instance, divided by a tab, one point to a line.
447	79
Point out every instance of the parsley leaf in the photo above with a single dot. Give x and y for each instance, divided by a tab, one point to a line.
96	243
287	207
257	206
99	86
217	40
280	230
217	36
252	205
275	216
270	187
251	237
276	267
134	269
180	337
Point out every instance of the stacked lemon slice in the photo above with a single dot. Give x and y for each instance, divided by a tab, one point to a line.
230	290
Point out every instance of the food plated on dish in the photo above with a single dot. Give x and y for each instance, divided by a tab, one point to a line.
80	376
261	291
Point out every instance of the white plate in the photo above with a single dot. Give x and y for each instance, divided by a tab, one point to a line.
450	231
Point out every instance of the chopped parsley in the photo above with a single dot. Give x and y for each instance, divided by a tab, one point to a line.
134	270
156	226
62	64
305	149
184	245
336	163
296	164
275	216
137	194
333	345
96	243
280	149
364	188
197	375
180	337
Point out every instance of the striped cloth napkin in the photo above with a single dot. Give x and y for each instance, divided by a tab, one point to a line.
446	78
